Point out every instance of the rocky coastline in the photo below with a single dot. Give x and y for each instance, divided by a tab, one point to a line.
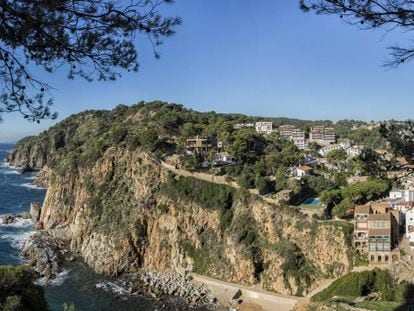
47	255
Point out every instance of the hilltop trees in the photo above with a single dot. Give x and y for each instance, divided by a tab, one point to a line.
371	14
92	39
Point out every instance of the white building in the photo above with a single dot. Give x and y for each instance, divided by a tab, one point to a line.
405	195
409	226
304	170
322	135
297	136
264	127
239	126
325	150
224	158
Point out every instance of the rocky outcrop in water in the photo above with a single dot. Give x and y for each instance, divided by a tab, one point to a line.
45	255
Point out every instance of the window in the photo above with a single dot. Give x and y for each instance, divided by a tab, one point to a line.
386	258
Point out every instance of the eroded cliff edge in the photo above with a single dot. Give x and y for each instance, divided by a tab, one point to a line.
118	209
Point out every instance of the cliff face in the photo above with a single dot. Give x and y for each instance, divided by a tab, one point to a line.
123	212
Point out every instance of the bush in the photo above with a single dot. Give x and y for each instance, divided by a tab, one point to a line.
356	284
208	195
17	291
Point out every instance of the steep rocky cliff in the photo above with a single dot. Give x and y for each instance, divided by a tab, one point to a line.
122	212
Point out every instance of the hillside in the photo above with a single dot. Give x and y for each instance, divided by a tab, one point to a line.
116	207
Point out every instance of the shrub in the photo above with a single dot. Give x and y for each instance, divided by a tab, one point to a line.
17	291
356	284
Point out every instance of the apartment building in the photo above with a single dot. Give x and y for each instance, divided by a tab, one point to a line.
382	237
375	233
264	127
296	135
322	135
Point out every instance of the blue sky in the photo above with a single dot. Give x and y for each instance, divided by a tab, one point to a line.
255	57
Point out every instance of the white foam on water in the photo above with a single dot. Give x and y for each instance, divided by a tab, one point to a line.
31	186
109	286
57	281
10	172
18	222
31	177
17	240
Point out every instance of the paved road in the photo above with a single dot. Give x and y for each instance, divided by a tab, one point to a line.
265	301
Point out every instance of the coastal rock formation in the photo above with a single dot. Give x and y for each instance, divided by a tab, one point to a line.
45	254
35	209
122	212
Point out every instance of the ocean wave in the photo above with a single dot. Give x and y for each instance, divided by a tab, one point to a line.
112	287
31	177
17	240
19	222
57	281
31	186
8	172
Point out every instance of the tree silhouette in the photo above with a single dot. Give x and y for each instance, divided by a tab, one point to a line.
372	14
93	39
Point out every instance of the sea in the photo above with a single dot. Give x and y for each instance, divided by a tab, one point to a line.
77	284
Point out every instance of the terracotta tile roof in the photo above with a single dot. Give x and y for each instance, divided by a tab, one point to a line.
305	168
362	209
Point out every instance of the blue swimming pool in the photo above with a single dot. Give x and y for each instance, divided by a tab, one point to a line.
312	201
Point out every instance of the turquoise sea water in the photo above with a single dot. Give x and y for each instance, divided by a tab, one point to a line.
78	283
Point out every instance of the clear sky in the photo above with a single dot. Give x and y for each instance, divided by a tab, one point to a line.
255	57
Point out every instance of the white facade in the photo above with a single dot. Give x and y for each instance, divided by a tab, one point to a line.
406	195
264	127
301	143
325	150
409	226
303	171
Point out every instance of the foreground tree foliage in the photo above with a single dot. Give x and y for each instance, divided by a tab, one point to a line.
92	39
371	14
17	291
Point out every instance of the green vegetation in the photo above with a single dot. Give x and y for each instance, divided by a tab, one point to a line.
340	200
295	265
357	284
336	156
208	195
200	256
17	291
379	305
